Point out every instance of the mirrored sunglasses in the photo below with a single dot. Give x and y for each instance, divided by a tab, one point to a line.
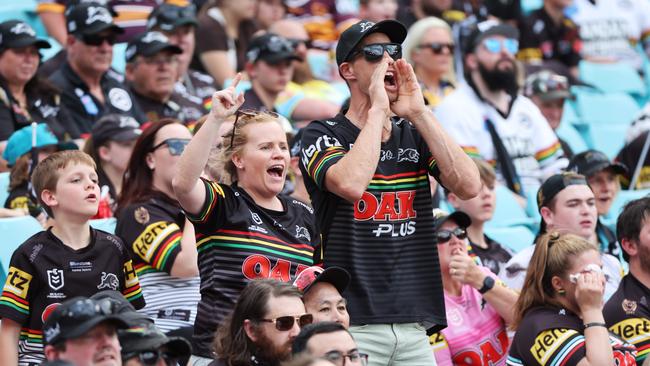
495	45
443	236
175	146
375	51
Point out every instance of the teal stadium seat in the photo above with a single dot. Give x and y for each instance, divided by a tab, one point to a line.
107	225
4	186
515	238
613	78
14	231
608	138
570	134
528	6
508	212
24	10
624	196
606	109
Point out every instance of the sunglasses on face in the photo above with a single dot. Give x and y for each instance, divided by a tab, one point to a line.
438	48
248	113
443	236
150	358
339	358
98	40
295	42
375	51
175	146
495	45
285	323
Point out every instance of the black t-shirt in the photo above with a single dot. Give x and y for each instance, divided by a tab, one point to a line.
84	108
197	84
384	239
542	39
182	107
629	156
494	256
552	336
608	242
253	101
41	108
20	197
44	271
238	241
627	314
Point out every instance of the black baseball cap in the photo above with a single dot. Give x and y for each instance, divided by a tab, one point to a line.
556	184
115	127
16	34
547	86
168	17
149	338
122	307
149	44
487	29
591	162
459	217
90	18
77	316
337	276
271	48
352	36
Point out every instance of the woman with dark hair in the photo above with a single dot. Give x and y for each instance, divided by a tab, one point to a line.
159	237
24	96
245	229
559	313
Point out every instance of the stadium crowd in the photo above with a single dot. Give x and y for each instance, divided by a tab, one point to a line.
317	182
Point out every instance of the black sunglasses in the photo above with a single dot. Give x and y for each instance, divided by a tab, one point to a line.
285	323
171	13
98	40
151	357
295	42
247	113
375	51
437	48
175	146
443	236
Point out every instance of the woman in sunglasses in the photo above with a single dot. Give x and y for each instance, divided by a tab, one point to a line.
429	47
245	230
558	315
159	237
478	305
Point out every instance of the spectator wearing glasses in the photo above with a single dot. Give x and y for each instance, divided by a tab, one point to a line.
559	313
157	234
429	47
321	293
152	73
330	341
489	118
549	91
245	228
179	24
146	345
478	304
266	318
83	331
367	174
89	88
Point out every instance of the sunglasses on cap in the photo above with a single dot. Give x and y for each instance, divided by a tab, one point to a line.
175	146
151	357
339	358
171	13
438	48
98	40
375	51
285	323
495	45
443	236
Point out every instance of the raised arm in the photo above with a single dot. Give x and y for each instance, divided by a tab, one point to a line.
187	185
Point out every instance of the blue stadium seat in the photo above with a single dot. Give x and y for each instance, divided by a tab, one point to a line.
612	78
624	197
107	225
4	186
528	6
119	58
606	109
608	138
515	238
508	212
570	134
15	230
24	10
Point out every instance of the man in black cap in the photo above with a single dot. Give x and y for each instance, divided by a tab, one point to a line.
151	73
83	332
89	88
488	117
367	174
321	293
179	24
602	176
269	64
146	345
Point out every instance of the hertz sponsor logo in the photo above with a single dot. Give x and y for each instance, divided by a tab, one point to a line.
548	342
145	245
130	277
633	330
18	282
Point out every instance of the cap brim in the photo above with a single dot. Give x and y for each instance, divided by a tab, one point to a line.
102	27
395	31
337	276
279	57
83	328
555	95
39	43
160	48
126	135
617	168
459	217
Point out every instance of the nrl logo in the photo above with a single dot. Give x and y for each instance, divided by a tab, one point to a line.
22	28
154	36
365	26
98	14
55	278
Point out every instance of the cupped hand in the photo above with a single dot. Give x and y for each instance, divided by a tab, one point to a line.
377	92
410	102
225	102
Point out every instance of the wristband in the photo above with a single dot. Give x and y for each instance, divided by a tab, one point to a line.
595	324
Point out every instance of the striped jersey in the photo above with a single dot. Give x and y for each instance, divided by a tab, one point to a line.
152	232
554	337
627	314
383	239
238	241
44	272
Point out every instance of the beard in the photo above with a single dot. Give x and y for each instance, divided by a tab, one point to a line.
500	79
270	352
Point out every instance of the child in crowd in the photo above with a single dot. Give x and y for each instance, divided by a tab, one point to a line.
67	260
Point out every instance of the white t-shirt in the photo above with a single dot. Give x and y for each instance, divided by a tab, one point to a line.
531	143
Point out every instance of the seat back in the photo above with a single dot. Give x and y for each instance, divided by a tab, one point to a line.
14	231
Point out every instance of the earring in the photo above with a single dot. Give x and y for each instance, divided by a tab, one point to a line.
561	292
